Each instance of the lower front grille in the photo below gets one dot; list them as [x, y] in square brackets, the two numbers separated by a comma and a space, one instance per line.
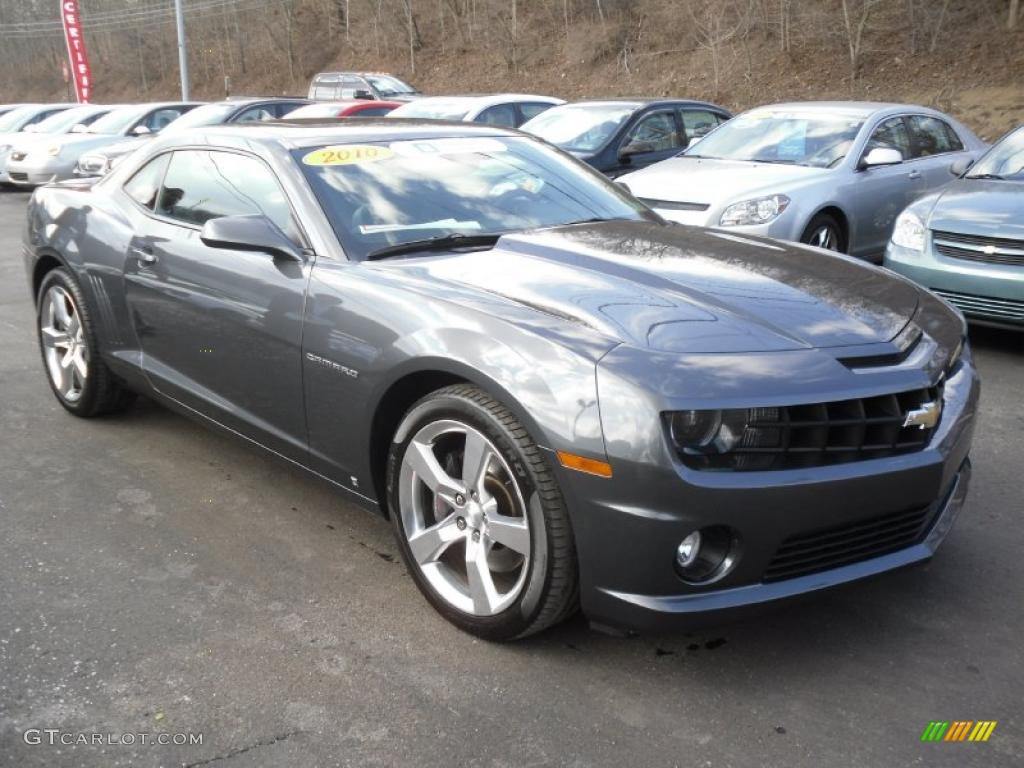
[1010, 310]
[18, 176]
[991, 250]
[850, 543]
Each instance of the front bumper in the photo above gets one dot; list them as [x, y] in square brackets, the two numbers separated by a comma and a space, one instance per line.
[627, 528]
[784, 227]
[991, 294]
[31, 172]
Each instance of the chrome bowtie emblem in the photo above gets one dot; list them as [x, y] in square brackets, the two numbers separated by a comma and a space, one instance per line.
[925, 417]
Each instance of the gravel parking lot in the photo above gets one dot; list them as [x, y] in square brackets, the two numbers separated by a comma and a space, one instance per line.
[157, 578]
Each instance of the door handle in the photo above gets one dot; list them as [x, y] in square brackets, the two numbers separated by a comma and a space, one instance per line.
[145, 256]
[914, 175]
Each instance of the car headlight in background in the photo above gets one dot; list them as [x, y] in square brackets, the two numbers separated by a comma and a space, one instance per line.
[909, 232]
[760, 210]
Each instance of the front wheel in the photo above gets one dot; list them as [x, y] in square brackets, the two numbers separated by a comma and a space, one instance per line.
[479, 517]
[824, 232]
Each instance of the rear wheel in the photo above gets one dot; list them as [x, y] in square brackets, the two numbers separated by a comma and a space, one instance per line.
[479, 518]
[824, 232]
[67, 340]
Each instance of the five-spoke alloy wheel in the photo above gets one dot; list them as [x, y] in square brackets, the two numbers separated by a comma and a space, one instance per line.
[478, 516]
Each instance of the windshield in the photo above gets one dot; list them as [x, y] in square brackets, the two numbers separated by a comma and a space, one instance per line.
[117, 121]
[579, 128]
[386, 85]
[14, 119]
[771, 136]
[386, 193]
[1005, 159]
[435, 109]
[207, 114]
[64, 121]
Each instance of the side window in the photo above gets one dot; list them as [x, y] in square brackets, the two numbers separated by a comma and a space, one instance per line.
[891, 134]
[531, 110]
[698, 122]
[202, 185]
[143, 186]
[372, 112]
[500, 114]
[40, 117]
[157, 121]
[256, 114]
[655, 132]
[932, 136]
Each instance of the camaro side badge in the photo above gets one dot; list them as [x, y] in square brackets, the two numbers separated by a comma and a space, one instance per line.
[925, 417]
[332, 365]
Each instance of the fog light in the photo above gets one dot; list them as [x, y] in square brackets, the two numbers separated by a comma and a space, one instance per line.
[688, 550]
[707, 555]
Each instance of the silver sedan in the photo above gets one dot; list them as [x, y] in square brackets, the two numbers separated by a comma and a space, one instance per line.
[830, 174]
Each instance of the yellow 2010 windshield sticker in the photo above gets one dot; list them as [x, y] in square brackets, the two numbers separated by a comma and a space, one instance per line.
[347, 154]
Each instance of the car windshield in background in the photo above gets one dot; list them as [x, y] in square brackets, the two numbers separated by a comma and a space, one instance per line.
[63, 121]
[117, 121]
[579, 128]
[390, 86]
[14, 118]
[770, 136]
[388, 193]
[435, 109]
[1004, 161]
[207, 114]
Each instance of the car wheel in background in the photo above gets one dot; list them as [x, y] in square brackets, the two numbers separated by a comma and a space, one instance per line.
[824, 232]
[479, 517]
[67, 340]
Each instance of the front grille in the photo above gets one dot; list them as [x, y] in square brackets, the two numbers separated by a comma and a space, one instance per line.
[1009, 310]
[841, 545]
[18, 176]
[992, 250]
[837, 432]
[671, 205]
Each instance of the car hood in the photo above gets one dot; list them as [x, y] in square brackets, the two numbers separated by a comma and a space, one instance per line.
[710, 182]
[980, 207]
[82, 142]
[121, 147]
[685, 289]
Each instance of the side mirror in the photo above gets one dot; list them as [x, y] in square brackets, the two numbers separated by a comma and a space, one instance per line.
[961, 165]
[141, 130]
[880, 156]
[78, 128]
[249, 233]
[634, 148]
[363, 94]
[693, 141]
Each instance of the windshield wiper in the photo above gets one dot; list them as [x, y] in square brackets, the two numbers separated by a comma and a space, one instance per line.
[987, 176]
[442, 243]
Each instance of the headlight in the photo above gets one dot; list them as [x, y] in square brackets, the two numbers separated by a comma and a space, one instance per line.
[909, 232]
[760, 210]
[53, 150]
[710, 434]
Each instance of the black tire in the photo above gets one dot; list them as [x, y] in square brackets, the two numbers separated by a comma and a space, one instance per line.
[100, 392]
[824, 222]
[550, 592]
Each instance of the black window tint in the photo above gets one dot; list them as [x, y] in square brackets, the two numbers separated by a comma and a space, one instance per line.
[698, 122]
[531, 110]
[500, 114]
[373, 112]
[655, 132]
[200, 186]
[932, 136]
[143, 186]
[891, 134]
[161, 118]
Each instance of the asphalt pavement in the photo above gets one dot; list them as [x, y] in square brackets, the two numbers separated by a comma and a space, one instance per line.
[156, 578]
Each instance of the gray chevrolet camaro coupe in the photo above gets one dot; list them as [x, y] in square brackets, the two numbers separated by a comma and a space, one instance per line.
[557, 397]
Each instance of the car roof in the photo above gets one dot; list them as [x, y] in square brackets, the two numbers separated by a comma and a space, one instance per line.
[487, 99]
[637, 103]
[858, 108]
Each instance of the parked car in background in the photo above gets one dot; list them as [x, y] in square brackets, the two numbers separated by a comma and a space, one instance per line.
[238, 110]
[338, 86]
[966, 242]
[619, 135]
[830, 174]
[559, 399]
[350, 108]
[71, 120]
[17, 120]
[508, 110]
[5, 108]
[56, 160]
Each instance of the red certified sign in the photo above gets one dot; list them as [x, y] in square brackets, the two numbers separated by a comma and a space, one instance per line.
[80, 71]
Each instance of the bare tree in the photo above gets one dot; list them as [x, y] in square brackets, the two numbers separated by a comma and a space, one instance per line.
[856, 15]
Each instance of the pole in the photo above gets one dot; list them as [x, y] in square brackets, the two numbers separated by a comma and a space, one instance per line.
[179, 17]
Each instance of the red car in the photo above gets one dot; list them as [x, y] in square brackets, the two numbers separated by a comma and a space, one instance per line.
[350, 108]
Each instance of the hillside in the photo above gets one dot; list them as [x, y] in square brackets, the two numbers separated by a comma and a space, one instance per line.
[958, 55]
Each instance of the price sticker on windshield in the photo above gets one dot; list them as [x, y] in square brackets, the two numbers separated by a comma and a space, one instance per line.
[347, 154]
